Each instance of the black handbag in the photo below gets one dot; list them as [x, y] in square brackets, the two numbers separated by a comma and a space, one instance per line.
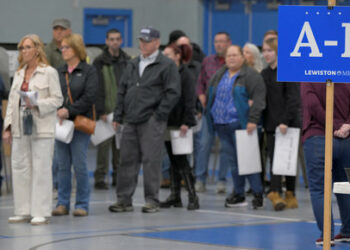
[27, 122]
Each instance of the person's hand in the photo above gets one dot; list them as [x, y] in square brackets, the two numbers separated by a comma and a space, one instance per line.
[103, 118]
[250, 127]
[199, 116]
[115, 125]
[62, 114]
[203, 99]
[183, 130]
[7, 136]
[343, 132]
[250, 102]
[283, 128]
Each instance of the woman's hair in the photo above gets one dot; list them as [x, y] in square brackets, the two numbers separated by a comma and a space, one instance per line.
[184, 50]
[38, 44]
[76, 42]
[272, 42]
[258, 63]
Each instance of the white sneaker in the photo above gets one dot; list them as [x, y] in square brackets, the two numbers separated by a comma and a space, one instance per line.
[39, 221]
[221, 187]
[199, 187]
[19, 219]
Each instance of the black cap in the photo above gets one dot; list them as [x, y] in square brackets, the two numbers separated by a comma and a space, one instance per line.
[148, 34]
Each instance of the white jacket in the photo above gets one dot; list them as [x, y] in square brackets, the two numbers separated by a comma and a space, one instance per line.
[44, 81]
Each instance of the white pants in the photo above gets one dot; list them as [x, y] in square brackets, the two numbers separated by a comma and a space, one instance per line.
[32, 175]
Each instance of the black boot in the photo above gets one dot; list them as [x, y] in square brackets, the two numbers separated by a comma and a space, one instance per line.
[257, 202]
[193, 201]
[174, 198]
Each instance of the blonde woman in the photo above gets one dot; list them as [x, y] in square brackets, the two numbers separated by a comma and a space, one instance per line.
[82, 80]
[32, 151]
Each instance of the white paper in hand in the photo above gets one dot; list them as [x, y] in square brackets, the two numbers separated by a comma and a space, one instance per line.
[285, 157]
[64, 131]
[103, 131]
[248, 152]
[181, 145]
[32, 95]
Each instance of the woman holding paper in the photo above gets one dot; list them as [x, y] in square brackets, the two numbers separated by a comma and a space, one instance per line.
[181, 117]
[282, 111]
[29, 125]
[228, 110]
[79, 85]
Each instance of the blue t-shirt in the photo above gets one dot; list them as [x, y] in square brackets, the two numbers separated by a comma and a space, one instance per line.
[224, 111]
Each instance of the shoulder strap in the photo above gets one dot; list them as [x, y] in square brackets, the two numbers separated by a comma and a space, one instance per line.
[71, 99]
[68, 89]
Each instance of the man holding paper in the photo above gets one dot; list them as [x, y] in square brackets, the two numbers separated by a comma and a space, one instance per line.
[110, 65]
[228, 110]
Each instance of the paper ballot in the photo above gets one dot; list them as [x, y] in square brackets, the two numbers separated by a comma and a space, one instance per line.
[103, 131]
[64, 131]
[181, 145]
[248, 152]
[32, 95]
[285, 156]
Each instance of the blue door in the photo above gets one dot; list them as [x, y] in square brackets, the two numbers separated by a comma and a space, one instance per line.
[98, 21]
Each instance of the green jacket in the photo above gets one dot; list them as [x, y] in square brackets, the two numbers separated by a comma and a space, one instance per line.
[54, 55]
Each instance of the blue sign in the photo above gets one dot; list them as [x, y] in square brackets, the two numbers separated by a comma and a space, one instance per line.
[313, 44]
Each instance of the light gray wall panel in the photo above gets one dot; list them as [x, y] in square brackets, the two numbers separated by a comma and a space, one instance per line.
[20, 17]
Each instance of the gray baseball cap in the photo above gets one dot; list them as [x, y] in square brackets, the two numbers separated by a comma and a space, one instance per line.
[62, 22]
[148, 34]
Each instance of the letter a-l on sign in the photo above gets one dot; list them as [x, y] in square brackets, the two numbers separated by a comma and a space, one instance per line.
[313, 44]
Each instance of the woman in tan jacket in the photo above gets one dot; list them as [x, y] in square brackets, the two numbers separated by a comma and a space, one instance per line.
[30, 126]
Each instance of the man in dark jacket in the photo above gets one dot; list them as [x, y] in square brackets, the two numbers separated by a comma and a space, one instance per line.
[148, 90]
[110, 65]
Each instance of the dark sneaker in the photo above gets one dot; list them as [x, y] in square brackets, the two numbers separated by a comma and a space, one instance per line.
[319, 242]
[193, 203]
[171, 201]
[235, 200]
[120, 208]
[101, 185]
[150, 208]
[257, 201]
[341, 238]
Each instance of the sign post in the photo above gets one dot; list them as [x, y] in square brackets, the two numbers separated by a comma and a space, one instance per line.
[327, 207]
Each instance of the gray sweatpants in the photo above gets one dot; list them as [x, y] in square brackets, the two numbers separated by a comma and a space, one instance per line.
[141, 144]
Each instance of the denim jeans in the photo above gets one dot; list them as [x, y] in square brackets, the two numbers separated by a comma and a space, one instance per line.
[55, 169]
[165, 166]
[74, 153]
[314, 150]
[228, 155]
[203, 155]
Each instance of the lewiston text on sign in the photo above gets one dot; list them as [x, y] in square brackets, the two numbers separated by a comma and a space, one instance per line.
[313, 44]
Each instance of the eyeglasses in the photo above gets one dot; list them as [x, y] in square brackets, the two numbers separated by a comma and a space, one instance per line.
[25, 48]
[65, 47]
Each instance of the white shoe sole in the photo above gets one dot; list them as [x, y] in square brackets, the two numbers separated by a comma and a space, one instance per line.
[241, 204]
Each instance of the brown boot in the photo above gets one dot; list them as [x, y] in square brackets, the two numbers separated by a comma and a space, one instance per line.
[60, 210]
[291, 200]
[277, 202]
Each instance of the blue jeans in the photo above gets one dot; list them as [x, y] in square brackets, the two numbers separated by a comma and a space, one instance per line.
[202, 155]
[226, 133]
[55, 169]
[165, 166]
[314, 150]
[74, 153]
